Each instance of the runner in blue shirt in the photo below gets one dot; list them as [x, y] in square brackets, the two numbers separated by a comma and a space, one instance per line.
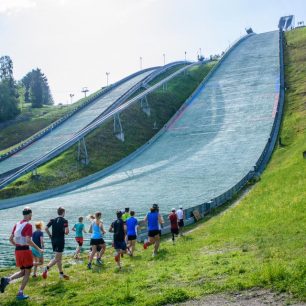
[132, 230]
[155, 222]
[79, 229]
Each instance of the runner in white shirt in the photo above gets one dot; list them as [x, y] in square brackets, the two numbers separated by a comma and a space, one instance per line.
[180, 216]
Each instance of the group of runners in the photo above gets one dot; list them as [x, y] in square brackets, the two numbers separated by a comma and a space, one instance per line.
[29, 245]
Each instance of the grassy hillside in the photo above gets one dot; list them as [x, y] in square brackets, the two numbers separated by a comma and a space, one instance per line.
[260, 242]
[103, 147]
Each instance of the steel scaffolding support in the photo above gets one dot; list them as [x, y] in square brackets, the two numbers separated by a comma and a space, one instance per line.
[144, 104]
[118, 131]
[82, 152]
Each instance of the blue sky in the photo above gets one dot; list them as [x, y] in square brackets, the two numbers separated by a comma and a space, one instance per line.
[75, 42]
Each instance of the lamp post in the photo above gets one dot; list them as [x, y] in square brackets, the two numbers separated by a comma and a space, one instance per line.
[164, 55]
[140, 62]
[185, 62]
[107, 75]
[85, 90]
[71, 96]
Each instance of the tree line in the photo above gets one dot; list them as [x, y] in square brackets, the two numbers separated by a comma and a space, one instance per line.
[33, 88]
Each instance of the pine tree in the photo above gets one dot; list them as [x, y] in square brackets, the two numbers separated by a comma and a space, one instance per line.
[8, 90]
[37, 89]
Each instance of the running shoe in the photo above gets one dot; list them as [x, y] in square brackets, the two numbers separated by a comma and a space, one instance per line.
[3, 283]
[21, 296]
[45, 273]
[34, 275]
[99, 261]
[64, 276]
[145, 245]
[154, 254]
[121, 255]
[89, 265]
[117, 257]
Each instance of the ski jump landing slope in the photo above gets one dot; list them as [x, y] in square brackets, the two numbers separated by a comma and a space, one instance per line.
[213, 143]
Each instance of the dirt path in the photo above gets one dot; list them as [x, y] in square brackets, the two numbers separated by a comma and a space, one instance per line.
[254, 297]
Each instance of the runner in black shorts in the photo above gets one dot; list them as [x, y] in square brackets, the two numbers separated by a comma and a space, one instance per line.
[132, 229]
[59, 230]
[155, 222]
[97, 231]
[119, 229]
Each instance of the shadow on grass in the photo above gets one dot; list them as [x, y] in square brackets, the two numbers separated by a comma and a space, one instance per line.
[56, 289]
[14, 302]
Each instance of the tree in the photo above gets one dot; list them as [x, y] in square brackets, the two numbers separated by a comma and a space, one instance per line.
[8, 90]
[37, 89]
[6, 67]
[26, 81]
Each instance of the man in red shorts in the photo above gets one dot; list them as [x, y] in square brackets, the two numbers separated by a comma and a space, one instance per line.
[21, 238]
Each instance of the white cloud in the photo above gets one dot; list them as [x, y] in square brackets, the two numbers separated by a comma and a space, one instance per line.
[12, 6]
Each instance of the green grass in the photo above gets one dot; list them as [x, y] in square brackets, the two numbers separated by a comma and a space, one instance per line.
[260, 242]
[103, 147]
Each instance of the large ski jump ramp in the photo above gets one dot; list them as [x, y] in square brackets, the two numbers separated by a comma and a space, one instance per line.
[67, 129]
[206, 150]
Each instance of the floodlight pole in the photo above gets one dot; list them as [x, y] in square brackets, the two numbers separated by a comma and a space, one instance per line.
[164, 55]
[107, 75]
[85, 90]
[71, 96]
[185, 62]
[140, 62]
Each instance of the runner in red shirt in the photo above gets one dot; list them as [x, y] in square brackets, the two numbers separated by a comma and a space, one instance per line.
[174, 223]
[21, 238]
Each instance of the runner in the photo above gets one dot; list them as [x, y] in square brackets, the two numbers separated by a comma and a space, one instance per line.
[173, 223]
[132, 230]
[79, 229]
[118, 228]
[21, 239]
[155, 222]
[96, 241]
[38, 239]
[180, 215]
[126, 214]
[59, 230]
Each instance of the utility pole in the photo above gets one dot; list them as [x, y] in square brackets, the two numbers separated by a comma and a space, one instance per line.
[140, 61]
[185, 62]
[71, 96]
[107, 76]
[164, 55]
[85, 90]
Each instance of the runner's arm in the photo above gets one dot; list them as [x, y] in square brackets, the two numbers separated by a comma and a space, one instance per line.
[32, 244]
[42, 243]
[66, 230]
[73, 228]
[102, 228]
[160, 219]
[12, 240]
[48, 232]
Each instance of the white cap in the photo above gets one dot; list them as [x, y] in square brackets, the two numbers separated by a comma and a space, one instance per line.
[181, 206]
[173, 209]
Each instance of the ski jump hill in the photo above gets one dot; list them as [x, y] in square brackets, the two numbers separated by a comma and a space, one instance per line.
[222, 136]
